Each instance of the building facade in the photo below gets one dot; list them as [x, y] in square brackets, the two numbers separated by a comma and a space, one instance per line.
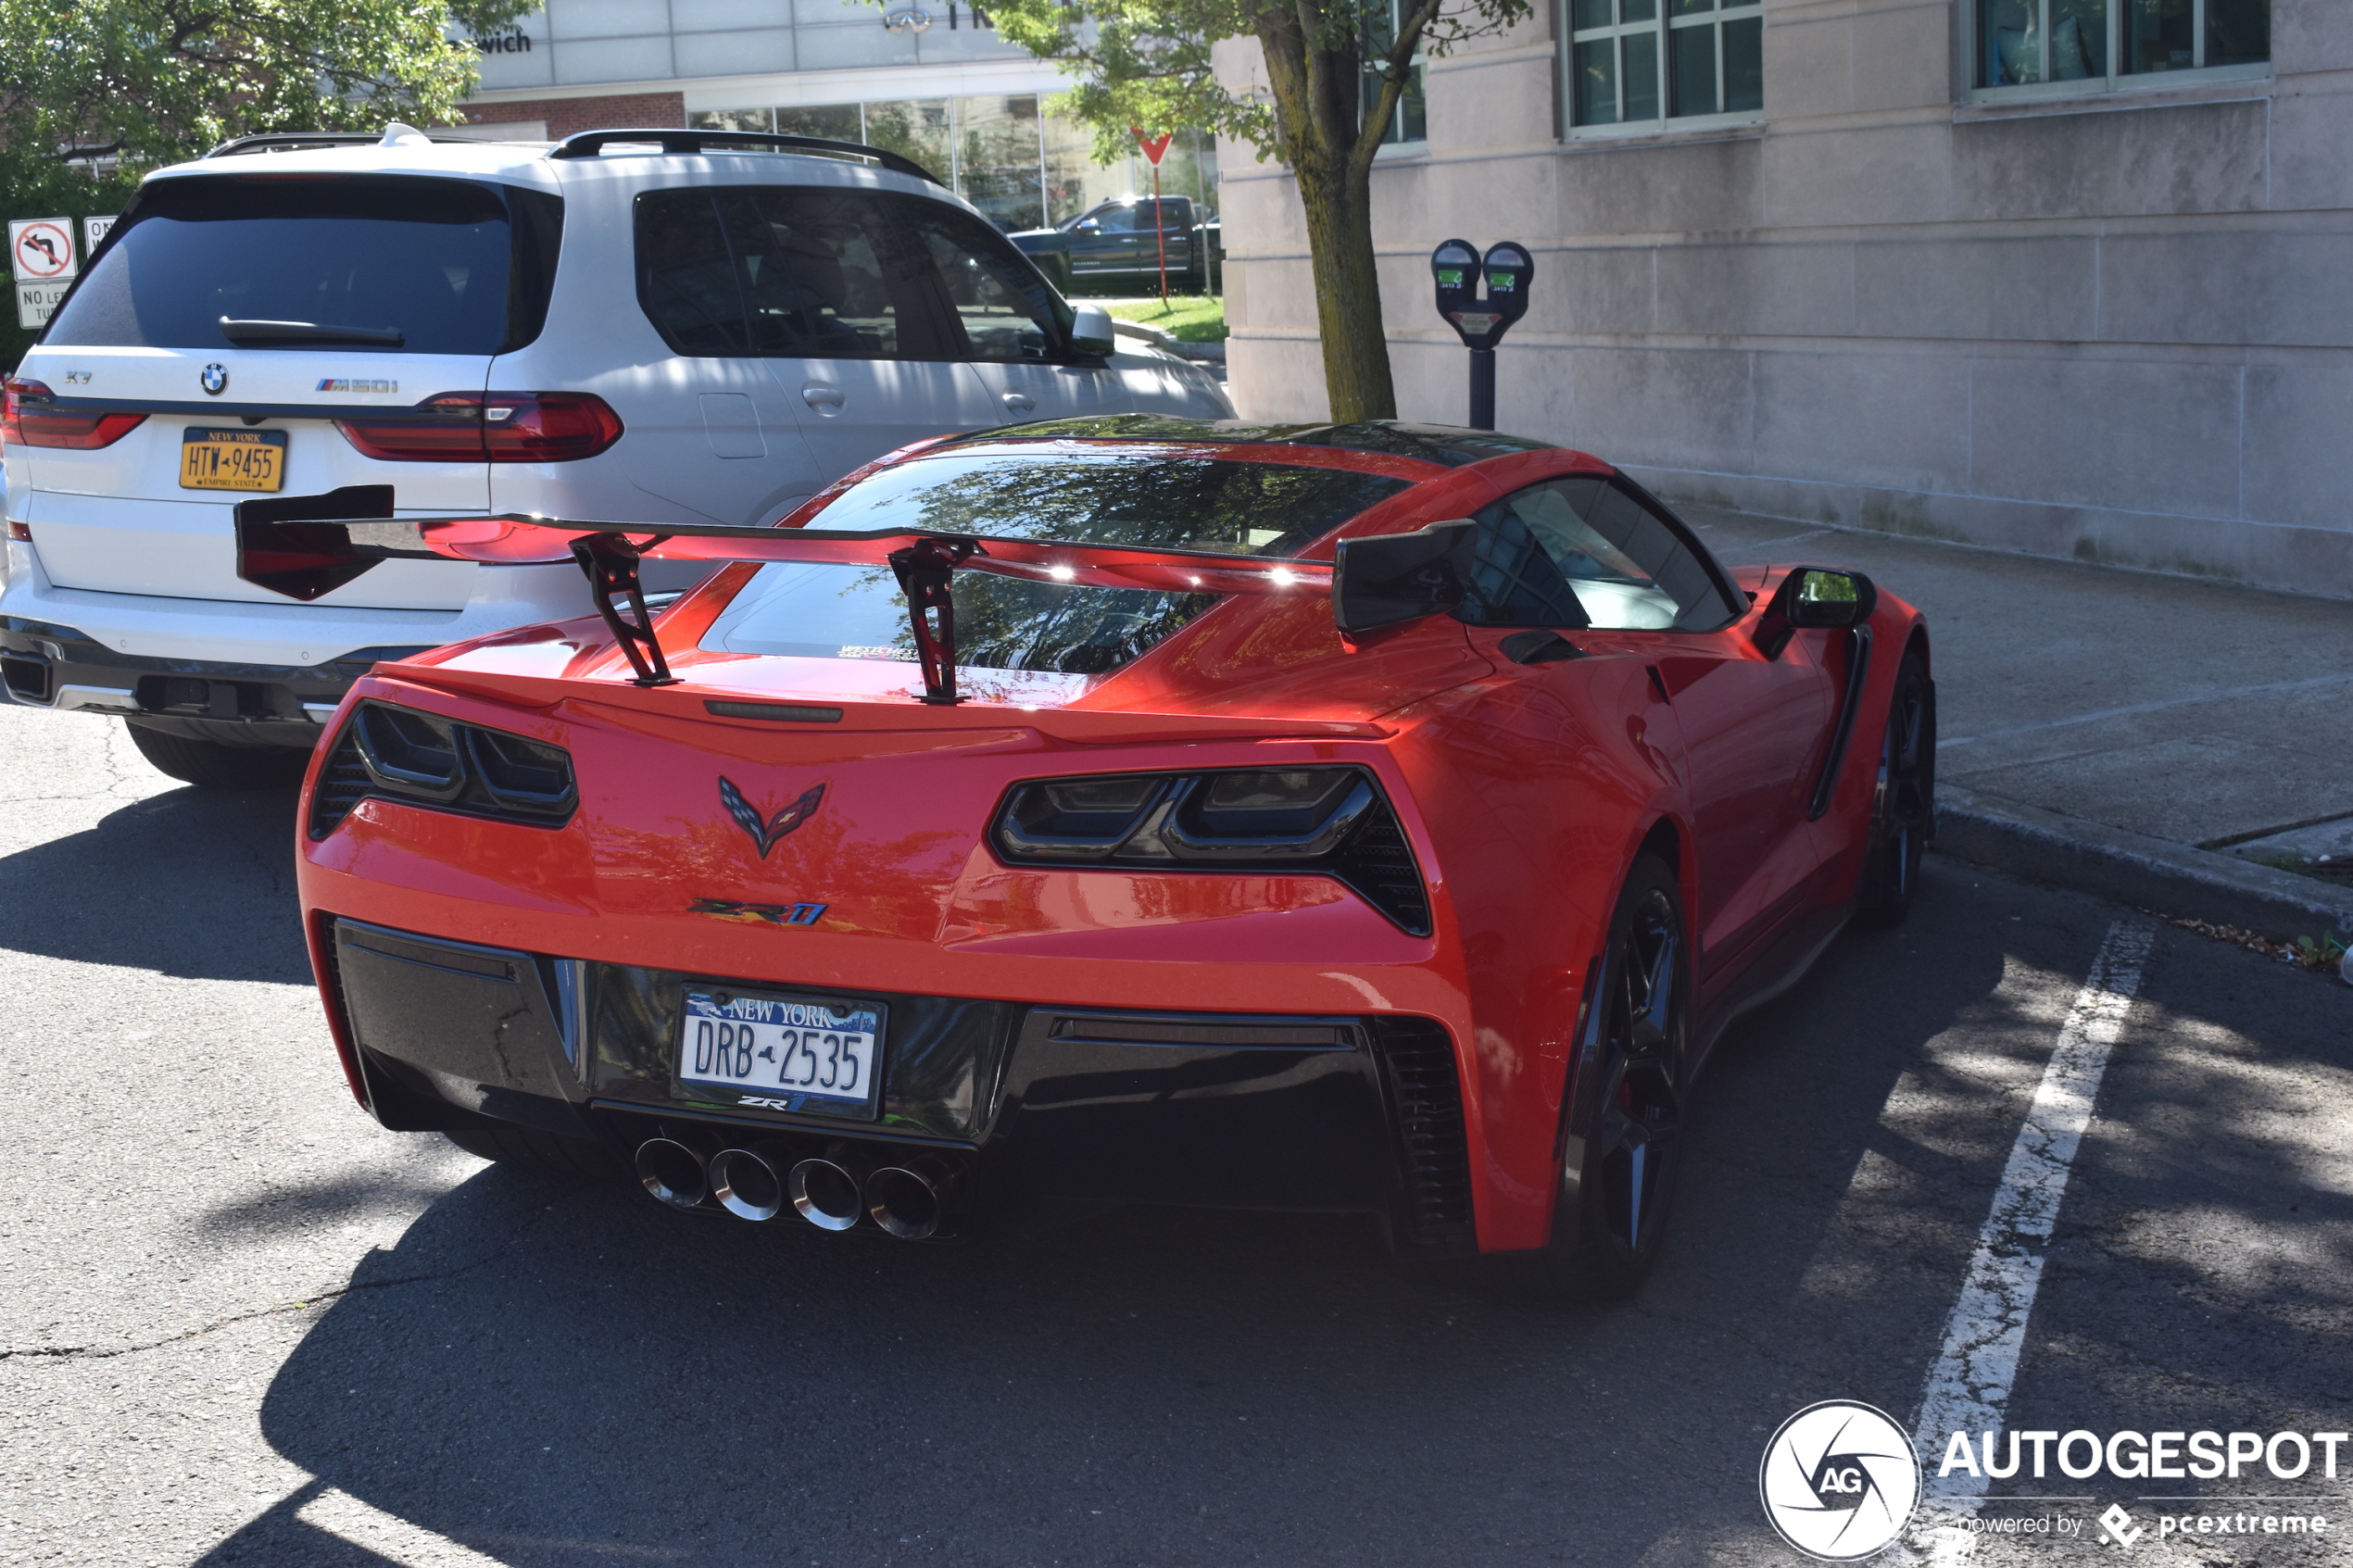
[2068, 277]
[924, 78]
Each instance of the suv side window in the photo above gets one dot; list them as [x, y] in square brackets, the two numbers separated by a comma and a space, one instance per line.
[1588, 551]
[803, 273]
[686, 276]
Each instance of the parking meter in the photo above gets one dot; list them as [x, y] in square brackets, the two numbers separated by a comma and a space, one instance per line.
[1481, 320]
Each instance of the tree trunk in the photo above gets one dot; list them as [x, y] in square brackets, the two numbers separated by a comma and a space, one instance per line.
[1315, 89]
[1348, 313]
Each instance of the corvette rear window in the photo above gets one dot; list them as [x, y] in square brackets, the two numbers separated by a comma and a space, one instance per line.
[452, 266]
[1146, 498]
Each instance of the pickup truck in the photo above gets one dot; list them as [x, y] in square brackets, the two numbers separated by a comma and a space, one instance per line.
[1113, 240]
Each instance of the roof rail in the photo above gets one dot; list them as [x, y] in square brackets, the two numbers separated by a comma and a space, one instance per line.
[589, 144]
[294, 140]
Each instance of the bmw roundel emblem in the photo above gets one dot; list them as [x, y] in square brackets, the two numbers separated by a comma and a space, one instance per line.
[215, 379]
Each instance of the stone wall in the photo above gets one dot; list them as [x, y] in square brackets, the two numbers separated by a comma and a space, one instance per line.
[2117, 328]
[569, 117]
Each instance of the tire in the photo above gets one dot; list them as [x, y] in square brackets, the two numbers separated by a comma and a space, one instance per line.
[1903, 804]
[545, 1154]
[1611, 1223]
[210, 764]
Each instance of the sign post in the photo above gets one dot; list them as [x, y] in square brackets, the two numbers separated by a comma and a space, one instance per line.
[1154, 147]
[41, 264]
[1459, 269]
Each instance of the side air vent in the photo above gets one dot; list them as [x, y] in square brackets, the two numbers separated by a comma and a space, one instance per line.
[419, 758]
[1417, 1060]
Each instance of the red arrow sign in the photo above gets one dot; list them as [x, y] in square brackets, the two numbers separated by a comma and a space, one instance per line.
[1154, 146]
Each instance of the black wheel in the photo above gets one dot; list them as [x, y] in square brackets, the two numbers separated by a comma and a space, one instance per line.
[1627, 1139]
[211, 764]
[1904, 805]
[544, 1153]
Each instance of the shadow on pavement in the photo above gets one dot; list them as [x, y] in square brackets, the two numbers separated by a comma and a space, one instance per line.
[195, 883]
[569, 1373]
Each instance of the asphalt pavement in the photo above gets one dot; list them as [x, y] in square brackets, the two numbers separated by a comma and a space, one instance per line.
[239, 1324]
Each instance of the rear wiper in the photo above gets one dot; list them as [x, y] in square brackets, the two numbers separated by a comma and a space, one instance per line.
[308, 332]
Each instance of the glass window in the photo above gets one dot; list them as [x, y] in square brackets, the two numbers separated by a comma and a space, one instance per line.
[1002, 623]
[837, 275]
[1631, 61]
[1588, 552]
[1005, 308]
[1411, 121]
[436, 260]
[2101, 43]
[834, 122]
[920, 129]
[998, 167]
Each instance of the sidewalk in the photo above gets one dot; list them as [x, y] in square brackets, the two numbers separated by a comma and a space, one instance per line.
[2150, 737]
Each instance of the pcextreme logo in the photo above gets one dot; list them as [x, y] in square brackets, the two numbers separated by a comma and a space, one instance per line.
[1838, 1480]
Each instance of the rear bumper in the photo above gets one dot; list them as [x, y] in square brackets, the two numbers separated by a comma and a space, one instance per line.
[43, 664]
[1044, 1107]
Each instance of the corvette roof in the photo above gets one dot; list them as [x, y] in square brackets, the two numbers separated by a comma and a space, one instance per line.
[1442, 444]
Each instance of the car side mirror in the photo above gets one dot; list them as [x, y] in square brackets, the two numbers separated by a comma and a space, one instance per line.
[1088, 226]
[1812, 598]
[1392, 578]
[1091, 331]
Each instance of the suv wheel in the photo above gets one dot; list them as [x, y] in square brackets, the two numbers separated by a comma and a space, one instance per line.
[211, 764]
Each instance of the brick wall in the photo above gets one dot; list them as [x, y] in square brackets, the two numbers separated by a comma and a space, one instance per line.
[567, 117]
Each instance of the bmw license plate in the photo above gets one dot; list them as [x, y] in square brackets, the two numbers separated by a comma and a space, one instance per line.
[782, 1053]
[233, 460]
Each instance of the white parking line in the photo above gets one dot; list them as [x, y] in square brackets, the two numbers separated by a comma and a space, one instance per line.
[387, 1534]
[1970, 1384]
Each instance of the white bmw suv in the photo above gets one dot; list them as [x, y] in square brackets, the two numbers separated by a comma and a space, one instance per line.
[657, 325]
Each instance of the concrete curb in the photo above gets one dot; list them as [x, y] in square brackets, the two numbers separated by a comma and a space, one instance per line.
[2131, 868]
[1215, 352]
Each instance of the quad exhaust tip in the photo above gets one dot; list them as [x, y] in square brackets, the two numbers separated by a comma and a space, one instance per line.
[906, 1204]
[673, 1172]
[748, 1183]
[824, 1194]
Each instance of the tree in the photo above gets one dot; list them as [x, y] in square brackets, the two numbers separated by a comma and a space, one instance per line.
[158, 80]
[1337, 70]
[144, 82]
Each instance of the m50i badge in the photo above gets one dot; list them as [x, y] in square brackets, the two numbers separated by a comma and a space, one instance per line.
[757, 914]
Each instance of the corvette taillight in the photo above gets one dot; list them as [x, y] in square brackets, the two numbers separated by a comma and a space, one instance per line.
[497, 427]
[1332, 822]
[26, 421]
[423, 759]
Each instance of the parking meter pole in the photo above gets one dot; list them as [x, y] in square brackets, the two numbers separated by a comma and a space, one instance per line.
[1482, 389]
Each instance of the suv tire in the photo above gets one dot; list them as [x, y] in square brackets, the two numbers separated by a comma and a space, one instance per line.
[211, 764]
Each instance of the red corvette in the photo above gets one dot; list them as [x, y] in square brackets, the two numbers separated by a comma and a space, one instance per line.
[1362, 818]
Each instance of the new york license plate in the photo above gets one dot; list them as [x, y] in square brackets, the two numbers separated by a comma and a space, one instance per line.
[785, 1050]
[232, 459]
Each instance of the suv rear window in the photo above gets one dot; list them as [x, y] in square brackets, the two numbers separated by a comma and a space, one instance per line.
[825, 274]
[1147, 497]
[453, 266]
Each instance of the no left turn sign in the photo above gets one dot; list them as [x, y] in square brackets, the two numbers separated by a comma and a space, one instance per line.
[41, 249]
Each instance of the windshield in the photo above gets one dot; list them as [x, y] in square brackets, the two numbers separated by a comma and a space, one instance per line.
[432, 264]
[1148, 498]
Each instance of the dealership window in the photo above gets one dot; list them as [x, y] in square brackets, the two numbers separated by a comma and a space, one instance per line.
[1635, 60]
[1411, 123]
[1022, 166]
[2096, 45]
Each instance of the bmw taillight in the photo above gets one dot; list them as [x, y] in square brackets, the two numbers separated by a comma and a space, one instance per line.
[1332, 822]
[27, 421]
[497, 427]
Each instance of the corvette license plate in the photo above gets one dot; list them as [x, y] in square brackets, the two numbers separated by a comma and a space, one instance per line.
[232, 459]
[784, 1049]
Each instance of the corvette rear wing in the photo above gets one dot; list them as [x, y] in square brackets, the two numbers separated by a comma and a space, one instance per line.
[308, 557]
